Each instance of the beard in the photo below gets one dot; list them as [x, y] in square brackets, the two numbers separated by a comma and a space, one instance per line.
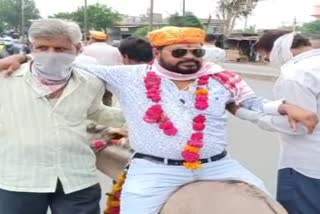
[190, 66]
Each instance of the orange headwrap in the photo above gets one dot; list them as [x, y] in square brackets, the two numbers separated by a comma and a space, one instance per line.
[99, 35]
[175, 35]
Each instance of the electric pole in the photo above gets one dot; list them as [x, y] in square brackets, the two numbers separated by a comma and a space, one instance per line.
[22, 20]
[151, 15]
[183, 7]
[85, 19]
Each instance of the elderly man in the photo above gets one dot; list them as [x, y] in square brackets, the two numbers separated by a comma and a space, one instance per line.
[45, 155]
[175, 111]
[299, 173]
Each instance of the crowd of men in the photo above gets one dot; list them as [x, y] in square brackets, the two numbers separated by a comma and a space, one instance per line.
[173, 96]
[10, 46]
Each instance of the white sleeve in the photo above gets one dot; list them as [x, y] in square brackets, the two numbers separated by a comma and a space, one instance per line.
[114, 77]
[299, 93]
[270, 122]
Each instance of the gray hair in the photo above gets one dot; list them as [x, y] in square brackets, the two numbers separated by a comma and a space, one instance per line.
[54, 28]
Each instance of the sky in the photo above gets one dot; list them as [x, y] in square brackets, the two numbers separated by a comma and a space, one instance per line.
[268, 13]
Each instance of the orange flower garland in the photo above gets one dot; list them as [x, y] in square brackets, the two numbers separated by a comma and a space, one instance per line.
[156, 114]
[113, 201]
[191, 153]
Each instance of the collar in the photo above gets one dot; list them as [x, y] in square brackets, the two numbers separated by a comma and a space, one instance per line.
[305, 55]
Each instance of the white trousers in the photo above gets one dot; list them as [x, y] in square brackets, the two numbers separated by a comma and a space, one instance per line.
[149, 185]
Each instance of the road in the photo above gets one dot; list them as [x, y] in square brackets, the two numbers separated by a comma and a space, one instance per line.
[256, 149]
[252, 69]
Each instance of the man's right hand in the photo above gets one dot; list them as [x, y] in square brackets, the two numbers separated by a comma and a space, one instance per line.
[297, 114]
[11, 63]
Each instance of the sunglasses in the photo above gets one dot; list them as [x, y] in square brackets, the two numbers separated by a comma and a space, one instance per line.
[180, 52]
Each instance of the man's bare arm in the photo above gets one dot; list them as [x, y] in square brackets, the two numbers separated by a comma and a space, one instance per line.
[11, 63]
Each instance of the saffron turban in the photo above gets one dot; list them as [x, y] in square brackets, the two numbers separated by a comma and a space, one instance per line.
[98, 35]
[176, 35]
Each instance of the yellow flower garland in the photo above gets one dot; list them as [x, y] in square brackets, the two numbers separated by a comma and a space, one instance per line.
[113, 201]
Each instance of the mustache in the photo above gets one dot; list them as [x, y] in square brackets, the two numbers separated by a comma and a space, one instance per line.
[189, 60]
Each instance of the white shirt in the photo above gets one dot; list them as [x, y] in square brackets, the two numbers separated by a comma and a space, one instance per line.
[214, 54]
[43, 140]
[104, 54]
[299, 83]
[81, 58]
[127, 83]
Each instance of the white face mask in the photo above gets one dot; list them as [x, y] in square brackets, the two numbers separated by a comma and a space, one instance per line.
[53, 66]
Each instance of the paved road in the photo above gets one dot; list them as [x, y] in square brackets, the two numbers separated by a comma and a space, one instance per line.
[256, 149]
[262, 70]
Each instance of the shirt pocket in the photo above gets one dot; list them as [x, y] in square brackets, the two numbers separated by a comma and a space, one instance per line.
[217, 102]
[73, 111]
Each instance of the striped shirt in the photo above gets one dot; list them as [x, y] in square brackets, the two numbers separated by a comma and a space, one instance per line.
[44, 140]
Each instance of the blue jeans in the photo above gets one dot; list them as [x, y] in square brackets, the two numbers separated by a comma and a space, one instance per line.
[298, 193]
[85, 201]
[149, 185]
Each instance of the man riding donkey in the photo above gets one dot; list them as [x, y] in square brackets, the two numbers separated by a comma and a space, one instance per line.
[175, 110]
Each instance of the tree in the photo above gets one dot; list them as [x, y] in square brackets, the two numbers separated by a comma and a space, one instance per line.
[231, 10]
[62, 15]
[310, 28]
[100, 17]
[10, 14]
[142, 31]
[2, 27]
[189, 20]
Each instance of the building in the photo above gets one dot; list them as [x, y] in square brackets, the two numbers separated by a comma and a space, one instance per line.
[215, 26]
[239, 47]
[130, 24]
[316, 9]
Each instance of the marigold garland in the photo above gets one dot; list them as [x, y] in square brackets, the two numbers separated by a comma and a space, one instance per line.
[156, 114]
[113, 201]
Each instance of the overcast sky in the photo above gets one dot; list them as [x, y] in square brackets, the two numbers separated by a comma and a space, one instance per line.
[268, 14]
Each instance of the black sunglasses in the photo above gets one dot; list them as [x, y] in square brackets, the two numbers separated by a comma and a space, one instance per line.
[180, 52]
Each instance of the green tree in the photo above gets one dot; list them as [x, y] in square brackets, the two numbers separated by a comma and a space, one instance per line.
[2, 27]
[231, 10]
[10, 14]
[100, 17]
[189, 20]
[62, 15]
[142, 31]
[311, 27]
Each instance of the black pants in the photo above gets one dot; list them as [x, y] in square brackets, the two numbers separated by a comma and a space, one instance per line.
[298, 193]
[85, 201]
